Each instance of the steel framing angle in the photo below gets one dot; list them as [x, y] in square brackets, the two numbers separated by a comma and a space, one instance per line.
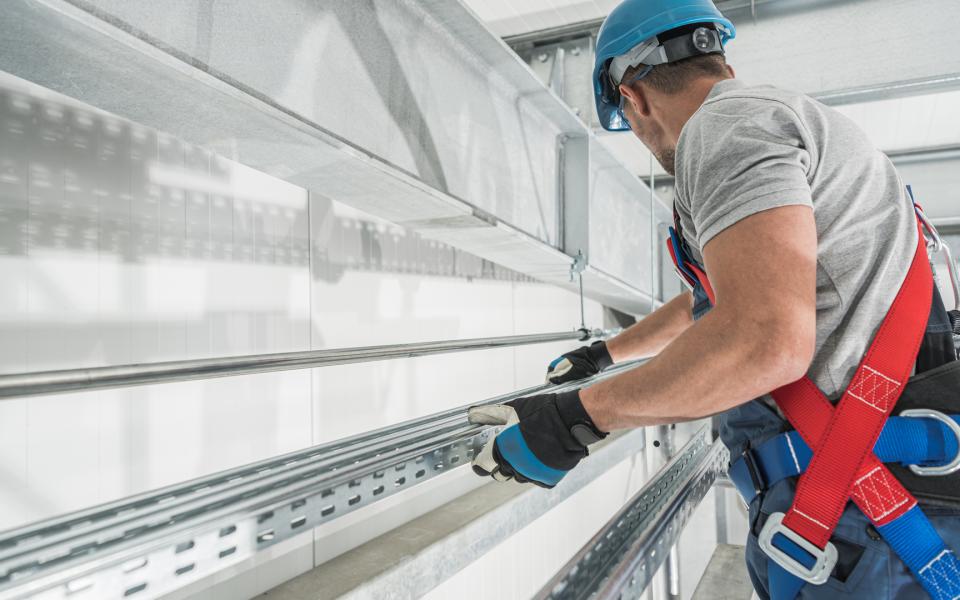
[153, 543]
[621, 559]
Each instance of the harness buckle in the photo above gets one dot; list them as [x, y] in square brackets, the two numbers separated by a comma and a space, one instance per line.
[824, 560]
[756, 479]
[953, 465]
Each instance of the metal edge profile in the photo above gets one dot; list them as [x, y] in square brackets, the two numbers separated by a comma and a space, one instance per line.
[101, 378]
[154, 543]
[622, 558]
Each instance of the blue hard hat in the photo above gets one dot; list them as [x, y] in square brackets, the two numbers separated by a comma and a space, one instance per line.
[634, 22]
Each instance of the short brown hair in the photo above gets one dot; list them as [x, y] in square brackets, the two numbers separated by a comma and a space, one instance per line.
[672, 78]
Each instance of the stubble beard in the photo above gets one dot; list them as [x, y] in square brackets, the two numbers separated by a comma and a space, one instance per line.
[667, 159]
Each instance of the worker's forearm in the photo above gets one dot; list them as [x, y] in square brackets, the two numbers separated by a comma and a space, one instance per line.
[716, 364]
[651, 334]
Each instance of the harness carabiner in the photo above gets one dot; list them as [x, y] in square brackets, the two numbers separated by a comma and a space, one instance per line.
[953, 426]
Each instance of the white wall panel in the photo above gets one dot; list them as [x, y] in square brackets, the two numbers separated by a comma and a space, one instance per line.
[109, 264]
[119, 244]
[620, 222]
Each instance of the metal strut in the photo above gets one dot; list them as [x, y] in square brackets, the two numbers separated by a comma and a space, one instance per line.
[622, 558]
[148, 545]
[100, 378]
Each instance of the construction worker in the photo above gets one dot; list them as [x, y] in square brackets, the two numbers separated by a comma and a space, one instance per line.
[812, 304]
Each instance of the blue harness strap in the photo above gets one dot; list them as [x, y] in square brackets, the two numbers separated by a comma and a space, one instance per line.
[904, 440]
[913, 539]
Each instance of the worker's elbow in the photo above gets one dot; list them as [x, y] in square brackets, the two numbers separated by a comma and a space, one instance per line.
[787, 353]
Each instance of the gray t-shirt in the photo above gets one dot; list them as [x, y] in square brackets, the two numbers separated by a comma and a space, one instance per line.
[753, 148]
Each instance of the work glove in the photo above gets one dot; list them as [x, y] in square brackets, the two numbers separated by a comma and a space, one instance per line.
[581, 363]
[544, 437]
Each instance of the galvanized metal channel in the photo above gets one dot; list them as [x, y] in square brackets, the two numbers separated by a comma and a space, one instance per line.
[622, 558]
[153, 543]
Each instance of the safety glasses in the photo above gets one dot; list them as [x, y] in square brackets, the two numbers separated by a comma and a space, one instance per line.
[619, 97]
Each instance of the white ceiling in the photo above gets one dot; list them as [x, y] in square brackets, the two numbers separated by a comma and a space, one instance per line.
[511, 17]
[913, 122]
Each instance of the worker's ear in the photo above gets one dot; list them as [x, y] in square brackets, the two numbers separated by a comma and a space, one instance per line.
[731, 71]
[638, 96]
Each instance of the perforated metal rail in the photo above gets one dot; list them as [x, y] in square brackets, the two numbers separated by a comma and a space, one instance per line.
[621, 559]
[153, 543]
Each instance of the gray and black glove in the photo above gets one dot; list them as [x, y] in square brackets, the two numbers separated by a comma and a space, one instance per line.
[545, 436]
[581, 363]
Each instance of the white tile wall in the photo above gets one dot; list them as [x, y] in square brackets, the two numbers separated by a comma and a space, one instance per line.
[119, 244]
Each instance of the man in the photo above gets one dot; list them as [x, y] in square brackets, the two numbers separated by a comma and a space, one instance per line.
[806, 233]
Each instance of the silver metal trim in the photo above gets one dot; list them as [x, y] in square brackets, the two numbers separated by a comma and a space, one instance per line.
[210, 523]
[622, 558]
[101, 378]
[954, 464]
[826, 559]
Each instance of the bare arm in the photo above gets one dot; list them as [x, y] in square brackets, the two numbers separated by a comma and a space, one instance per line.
[760, 335]
[651, 334]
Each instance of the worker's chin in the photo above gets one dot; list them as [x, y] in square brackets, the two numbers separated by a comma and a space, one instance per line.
[667, 159]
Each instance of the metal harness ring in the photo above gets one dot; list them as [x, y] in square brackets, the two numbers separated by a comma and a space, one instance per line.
[953, 426]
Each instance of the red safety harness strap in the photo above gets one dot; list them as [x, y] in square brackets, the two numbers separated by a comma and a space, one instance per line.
[843, 462]
[877, 493]
[843, 465]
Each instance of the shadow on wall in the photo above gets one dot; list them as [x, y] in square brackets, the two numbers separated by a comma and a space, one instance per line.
[82, 181]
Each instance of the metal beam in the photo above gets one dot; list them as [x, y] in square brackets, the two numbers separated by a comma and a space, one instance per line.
[102, 378]
[924, 154]
[890, 90]
[590, 27]
[775, 47]
[156, 542]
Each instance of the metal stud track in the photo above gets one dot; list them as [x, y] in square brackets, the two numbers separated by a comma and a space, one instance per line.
[621, 559]
[153, 543]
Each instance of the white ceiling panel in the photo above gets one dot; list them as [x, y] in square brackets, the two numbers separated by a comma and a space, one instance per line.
[512, 17]
[913, 122]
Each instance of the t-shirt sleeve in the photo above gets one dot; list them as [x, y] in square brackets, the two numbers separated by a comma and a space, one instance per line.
[735, 165]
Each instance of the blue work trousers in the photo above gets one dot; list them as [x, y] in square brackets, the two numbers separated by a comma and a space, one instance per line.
[868, 568]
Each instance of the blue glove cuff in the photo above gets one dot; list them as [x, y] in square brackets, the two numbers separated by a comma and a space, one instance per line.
[513, 448]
